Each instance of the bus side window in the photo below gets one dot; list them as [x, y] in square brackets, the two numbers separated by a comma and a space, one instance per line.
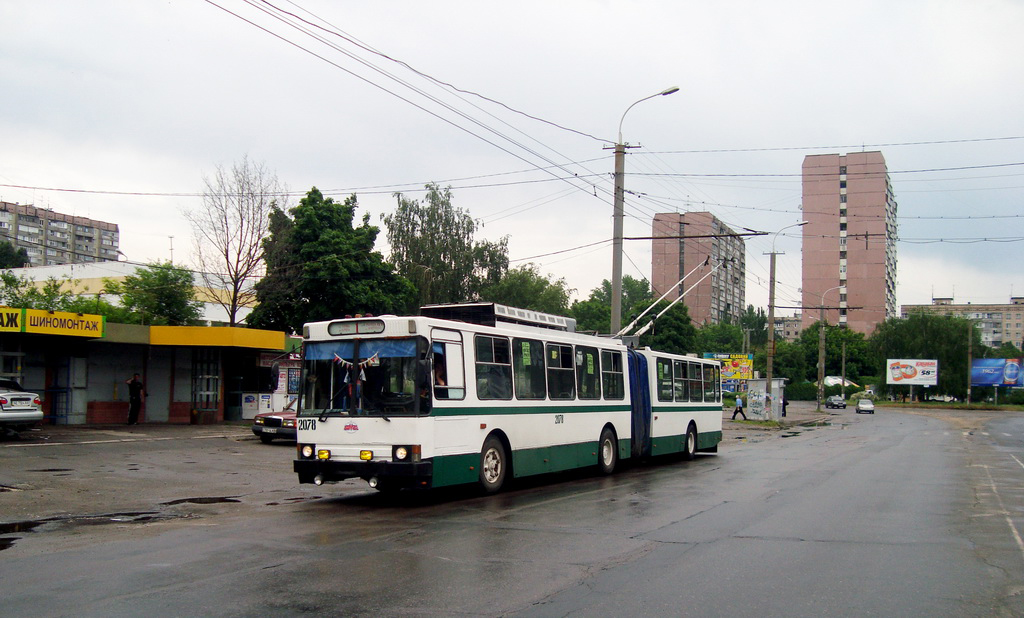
[679, 381]
[528, 365]
[561, 378]
[449, 378]
[493, 368]
[664, 379]
[696, 387]
[611, 371]
[588, 373]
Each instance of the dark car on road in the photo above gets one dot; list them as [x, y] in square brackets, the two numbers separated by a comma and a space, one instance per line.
[274, 425]
[835, 401]
[19, 410]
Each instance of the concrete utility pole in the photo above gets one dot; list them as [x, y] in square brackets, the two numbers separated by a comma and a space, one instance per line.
[821, 348]
[771, 310]
[620, 190]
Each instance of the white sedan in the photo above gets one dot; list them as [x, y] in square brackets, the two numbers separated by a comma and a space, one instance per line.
[18, 409]
[865, 406]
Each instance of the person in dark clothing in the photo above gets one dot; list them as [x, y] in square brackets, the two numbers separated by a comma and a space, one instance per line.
[136, 391]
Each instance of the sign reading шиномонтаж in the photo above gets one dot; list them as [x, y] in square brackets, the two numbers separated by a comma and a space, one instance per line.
[39, 321]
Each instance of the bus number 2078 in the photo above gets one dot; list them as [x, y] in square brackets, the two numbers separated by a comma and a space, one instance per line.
[307, 423]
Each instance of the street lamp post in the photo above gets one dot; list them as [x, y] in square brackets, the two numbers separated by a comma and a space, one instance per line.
[620, 168]
[821, 348]
[771, 309]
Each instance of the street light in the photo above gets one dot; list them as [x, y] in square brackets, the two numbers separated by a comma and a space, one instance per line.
[620, 168]
[771, 307]
[821, 348]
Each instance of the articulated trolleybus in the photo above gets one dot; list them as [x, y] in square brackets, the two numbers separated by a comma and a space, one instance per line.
[481, 393]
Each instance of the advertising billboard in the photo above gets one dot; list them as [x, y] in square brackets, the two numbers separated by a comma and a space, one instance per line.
[996, 372]
[735, 368]
[912, 371]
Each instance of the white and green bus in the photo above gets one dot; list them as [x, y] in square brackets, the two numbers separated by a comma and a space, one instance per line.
[481, 393]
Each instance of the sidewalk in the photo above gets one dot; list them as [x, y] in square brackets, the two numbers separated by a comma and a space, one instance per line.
[797, 413]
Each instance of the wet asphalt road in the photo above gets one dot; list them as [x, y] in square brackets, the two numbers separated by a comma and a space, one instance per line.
[890, 514]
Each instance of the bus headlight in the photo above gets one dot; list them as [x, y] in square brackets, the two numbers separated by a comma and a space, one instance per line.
[401, 453]
[307, 451]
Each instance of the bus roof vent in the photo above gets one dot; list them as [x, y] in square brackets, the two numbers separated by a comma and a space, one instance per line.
[490, 314]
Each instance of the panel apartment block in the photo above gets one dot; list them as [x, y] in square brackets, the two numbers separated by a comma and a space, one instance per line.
[677, 250]
[54, 238]
[849, 243]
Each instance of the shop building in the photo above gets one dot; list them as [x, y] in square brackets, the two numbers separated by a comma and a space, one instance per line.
[78, 364]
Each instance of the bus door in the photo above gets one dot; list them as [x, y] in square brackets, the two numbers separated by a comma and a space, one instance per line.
[640, 402]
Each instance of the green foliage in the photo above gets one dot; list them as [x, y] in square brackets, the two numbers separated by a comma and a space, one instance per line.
[595, 313]
[726, 338]
[20, 292]
[432, 245]
[928, 335]
[790, 361]
[756, 320]
[672, 332]
[11, 256]
[526, 288]
[160, 294]
[320, 265]
[859, 358]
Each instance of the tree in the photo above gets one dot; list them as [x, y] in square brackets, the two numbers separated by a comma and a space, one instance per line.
[321, 267]
[228, 231]
[594, 314]
[11, 256]
[160, 294]
[756, 321]
[926, 335]
[719, 337]
[432, 245]
[672, 332]
[526, 288]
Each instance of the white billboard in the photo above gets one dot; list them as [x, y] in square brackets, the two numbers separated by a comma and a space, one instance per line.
[912, 371]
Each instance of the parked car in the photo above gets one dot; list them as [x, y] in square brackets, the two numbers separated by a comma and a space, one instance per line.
[19, 410]
[865, 406]
[274, 425]
[835, 401]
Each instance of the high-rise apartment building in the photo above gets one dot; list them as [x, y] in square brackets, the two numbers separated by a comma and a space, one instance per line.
[849, 242]
[54, 238]
[685, 241]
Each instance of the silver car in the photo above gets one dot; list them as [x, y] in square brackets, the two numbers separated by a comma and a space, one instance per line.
[865, 406]
[18, 409]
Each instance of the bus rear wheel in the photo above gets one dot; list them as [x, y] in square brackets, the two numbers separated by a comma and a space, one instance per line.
[690, 446]
[493, 465]
[607, 452]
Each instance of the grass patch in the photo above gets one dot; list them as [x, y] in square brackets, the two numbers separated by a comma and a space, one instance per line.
[758, 423]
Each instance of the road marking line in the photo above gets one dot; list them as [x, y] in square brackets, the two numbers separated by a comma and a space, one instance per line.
[1017, 460]
[1002, 507]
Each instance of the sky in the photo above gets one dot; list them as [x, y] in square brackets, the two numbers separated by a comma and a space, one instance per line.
[118, 110]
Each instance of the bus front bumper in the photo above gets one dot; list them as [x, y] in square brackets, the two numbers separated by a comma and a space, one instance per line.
[395, 473]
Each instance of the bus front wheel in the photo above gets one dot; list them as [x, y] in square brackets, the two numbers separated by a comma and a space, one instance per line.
[607, 452]
[493, 465]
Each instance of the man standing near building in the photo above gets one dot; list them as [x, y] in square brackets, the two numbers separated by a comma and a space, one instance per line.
[136, 390]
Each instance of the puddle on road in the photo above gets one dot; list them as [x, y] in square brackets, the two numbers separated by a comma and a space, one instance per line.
[52, 470]
[209, 500]
[133, 517]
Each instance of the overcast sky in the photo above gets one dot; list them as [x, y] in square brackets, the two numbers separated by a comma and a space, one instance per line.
[103, 102]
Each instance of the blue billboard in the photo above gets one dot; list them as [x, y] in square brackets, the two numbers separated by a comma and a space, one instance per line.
[996, 372]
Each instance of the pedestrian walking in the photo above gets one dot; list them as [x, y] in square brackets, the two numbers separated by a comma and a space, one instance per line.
[136, 391]
[739, 408]
[785, 402]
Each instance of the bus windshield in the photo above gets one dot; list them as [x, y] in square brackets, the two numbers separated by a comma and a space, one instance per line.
[366, 377]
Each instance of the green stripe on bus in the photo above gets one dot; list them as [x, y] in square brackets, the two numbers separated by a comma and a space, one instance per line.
[462, 469]
[665, 445]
